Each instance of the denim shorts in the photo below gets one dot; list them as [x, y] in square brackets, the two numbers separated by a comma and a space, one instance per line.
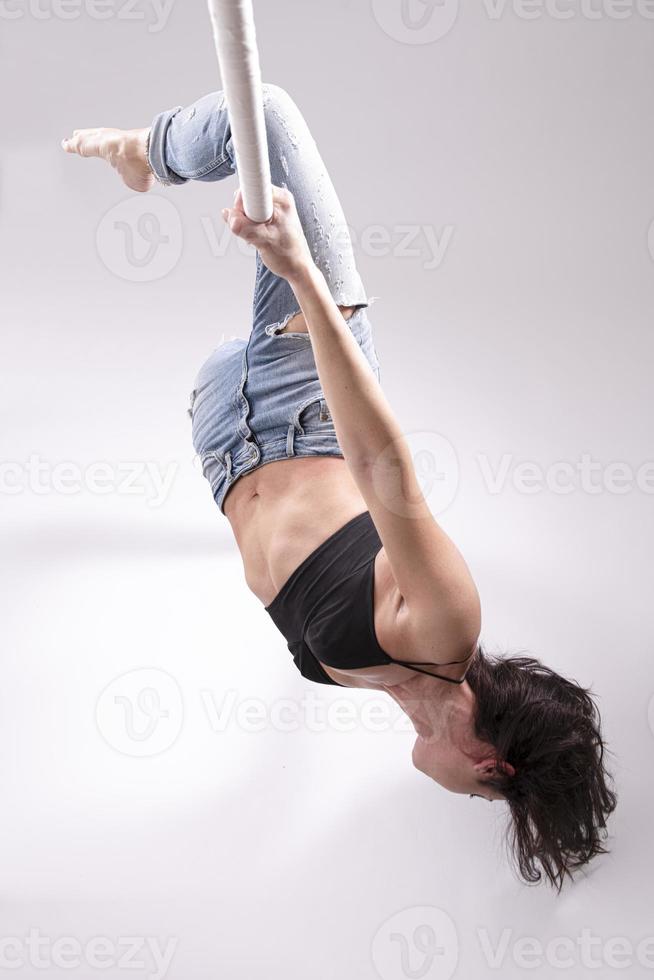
[259, 400]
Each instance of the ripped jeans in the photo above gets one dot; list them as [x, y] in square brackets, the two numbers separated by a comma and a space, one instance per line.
[259, 401]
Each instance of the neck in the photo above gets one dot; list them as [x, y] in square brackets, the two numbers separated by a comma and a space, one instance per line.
[434, 707]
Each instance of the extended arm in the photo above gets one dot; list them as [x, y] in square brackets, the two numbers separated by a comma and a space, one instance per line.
[431, 574]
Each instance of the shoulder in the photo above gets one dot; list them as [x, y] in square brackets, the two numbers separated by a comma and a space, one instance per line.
[438, 629]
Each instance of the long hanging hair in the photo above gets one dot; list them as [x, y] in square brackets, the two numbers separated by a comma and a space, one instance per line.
[549, 729]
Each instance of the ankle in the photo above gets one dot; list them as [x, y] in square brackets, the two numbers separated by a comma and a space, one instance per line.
[136, 147]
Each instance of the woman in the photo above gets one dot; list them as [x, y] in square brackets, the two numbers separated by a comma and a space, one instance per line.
[307, 461]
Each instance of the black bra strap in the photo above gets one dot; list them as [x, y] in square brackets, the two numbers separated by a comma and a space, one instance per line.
[428, 673]
[420, 668]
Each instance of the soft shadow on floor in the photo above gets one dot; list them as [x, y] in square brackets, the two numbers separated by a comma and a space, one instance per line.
[82, 539]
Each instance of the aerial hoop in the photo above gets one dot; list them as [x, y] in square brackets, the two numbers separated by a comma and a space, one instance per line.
[238, 56]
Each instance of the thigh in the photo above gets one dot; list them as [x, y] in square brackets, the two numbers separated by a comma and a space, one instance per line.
[219, 422]
[283, 388]
[196, 144]
[254, 404]
[296, 164]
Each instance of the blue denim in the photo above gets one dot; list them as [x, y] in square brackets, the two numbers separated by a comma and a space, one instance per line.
[260, 400]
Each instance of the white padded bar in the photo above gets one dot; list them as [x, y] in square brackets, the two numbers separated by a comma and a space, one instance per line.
[238, 56]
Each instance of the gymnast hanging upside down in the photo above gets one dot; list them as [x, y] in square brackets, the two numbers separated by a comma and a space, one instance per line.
[308, 463]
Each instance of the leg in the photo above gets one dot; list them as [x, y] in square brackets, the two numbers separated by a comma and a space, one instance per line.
[296, 164]
[260, 401]
[280, 410]
[196, 144]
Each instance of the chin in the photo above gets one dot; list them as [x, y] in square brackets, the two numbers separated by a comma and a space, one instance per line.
[423, 757]
[424, 761]
[417, 755]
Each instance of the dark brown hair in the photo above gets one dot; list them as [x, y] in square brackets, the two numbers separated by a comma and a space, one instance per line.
[548, 729]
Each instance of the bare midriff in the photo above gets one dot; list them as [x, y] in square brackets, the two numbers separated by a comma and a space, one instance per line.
[282, 511]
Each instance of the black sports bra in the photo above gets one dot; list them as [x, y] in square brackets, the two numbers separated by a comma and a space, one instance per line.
[325, 610]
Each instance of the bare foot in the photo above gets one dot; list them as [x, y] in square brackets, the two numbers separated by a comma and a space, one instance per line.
[124, 149]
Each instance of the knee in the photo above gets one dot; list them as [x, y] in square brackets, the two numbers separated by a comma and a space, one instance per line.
[277, 102]
[274, 93]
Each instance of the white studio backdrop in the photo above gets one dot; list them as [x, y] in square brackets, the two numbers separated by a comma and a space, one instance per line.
[168, 778]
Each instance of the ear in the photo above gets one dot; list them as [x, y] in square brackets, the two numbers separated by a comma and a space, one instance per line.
[493, 767]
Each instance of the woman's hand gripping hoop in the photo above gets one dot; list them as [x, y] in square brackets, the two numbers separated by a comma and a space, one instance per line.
[281, 242]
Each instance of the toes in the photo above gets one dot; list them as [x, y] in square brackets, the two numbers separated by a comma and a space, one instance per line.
[70, 143]
[84, 142]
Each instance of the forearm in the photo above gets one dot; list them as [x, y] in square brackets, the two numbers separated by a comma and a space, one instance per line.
[365, 424]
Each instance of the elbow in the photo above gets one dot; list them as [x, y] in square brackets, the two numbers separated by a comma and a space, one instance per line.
[361, 463]
[464, 623]
[453, 624]
[471, 623]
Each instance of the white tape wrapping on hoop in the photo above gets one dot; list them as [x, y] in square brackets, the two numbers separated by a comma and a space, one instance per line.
[238, 56]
